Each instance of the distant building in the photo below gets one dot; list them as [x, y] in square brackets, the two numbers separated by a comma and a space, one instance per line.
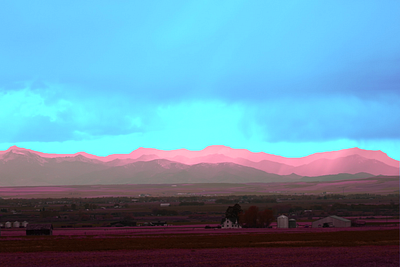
[165, 204]
[283, 221]
[228, 223]
[292, 223]
[39, 229]
[332, 221]
[357, 223]
[159, 223]
[122, 224]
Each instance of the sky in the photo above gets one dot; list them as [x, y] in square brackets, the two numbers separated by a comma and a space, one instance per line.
[289, 78]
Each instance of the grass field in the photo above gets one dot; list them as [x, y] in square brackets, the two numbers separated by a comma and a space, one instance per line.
[373, 185]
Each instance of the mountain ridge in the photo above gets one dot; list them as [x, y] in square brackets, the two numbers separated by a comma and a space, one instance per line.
[19, 166]
[223, 150]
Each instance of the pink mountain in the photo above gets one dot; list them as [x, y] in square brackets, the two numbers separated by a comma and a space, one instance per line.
[19, 166]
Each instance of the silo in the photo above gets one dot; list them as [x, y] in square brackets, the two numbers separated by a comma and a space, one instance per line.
[7, 225]
[283, 221]
[24, 224]
[292, 223]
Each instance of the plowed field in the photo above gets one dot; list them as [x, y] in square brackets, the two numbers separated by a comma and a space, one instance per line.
[340, 248]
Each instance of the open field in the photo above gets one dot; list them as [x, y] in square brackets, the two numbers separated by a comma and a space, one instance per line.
[374, 185]
[366, 256]
[239, 247]
[79, 241]
[66, 213]
[18, 233]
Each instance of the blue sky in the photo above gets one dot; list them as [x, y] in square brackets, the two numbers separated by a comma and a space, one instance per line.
[285, 77]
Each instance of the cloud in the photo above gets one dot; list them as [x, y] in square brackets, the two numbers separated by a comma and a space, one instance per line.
[26, 114]
[195, 124]
[248, 74]
[63, 113]
[227, 49]
[27, 104]
[305, 119]
[55, 112]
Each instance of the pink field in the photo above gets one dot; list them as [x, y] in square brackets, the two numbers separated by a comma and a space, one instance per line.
[304, 256]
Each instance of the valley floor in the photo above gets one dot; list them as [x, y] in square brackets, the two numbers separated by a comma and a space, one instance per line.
[288, 256]
[341, 247]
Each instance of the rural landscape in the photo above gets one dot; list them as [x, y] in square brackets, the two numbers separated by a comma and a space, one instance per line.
[199, 133]
[256, 220]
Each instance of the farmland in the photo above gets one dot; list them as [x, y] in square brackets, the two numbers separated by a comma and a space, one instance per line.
[191, 210]
[375, 185]
[207, 247]
[85, 233]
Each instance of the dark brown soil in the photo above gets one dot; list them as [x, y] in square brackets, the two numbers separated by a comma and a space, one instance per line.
[340, 248]
[200, 241]
[364, 256]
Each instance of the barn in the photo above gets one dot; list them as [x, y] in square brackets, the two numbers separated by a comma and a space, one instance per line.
[39, 229]
[332, 221]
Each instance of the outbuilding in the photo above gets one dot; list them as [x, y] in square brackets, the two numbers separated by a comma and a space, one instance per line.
[292, 223]
[39, 229]
[332, 221]
[159, 223]
[283, 221]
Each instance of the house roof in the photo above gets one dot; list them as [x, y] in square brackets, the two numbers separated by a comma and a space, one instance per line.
[339, 218]
[47, 226]
[224, 219]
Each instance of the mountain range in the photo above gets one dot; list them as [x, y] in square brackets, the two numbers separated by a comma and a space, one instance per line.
[214, 164]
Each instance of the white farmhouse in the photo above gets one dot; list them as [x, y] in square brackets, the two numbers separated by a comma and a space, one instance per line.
[228, 223]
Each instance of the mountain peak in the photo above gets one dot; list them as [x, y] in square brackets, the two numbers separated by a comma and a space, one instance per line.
[214, 147]
[15, 148]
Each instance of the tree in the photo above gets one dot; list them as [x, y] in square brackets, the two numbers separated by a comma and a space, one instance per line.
[250, 217]
[255, 218]
[64, 208]
[128, 217]
[234, 212]
[265, 218]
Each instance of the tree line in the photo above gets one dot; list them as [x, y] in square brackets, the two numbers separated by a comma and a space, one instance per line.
[253, 217]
